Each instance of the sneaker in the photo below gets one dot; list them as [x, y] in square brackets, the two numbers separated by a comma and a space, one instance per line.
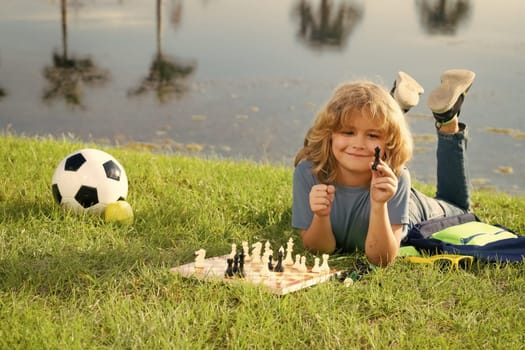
[446, 100]
[406, 91]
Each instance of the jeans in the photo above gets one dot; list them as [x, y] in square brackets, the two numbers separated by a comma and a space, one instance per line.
[453, 186]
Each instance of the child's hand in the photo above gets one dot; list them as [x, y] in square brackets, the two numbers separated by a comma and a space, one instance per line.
[321, 198]
[384, 183]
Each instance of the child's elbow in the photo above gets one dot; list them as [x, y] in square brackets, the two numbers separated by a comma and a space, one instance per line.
[381, 261]
[316, 246]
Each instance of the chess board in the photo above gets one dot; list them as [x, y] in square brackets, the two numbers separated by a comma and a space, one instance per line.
[280, 283]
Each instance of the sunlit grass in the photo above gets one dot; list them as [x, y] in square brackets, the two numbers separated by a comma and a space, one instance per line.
[73, 281]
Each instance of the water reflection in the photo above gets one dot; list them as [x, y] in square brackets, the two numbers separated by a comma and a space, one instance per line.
[67, 74]
[167, 75]
[328, 26]
[442, 16]
[263, 69]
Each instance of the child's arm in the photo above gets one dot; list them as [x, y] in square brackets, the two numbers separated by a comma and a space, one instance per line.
[383, 238]
[318, 237]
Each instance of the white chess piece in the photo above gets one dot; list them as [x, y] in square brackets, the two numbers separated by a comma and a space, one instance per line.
[265, 258]
[324, 266]
[256, 252]
[302, 266]
[200, 256]
[264, 269]
[234, 250]
[297, 264]
[316, 267]
[289, 250]
[246, 251]
[268, 248]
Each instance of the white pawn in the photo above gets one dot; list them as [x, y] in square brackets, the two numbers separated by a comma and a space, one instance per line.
[265, 271]
[297, 264]
[302, 266]
[324, 266]
[256, 252]
[200, 256]
[316, 267]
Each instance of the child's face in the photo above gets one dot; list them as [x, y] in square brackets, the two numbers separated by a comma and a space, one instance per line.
[353, 147]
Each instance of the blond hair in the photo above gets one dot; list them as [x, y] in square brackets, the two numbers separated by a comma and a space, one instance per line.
[367, 99]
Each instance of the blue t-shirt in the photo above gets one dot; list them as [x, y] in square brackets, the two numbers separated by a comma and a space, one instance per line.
[350, 212]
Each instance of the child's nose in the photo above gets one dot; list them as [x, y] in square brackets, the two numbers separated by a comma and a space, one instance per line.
[360, 143]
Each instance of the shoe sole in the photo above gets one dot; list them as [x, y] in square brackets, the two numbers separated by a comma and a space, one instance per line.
[453, 83]
[407, 91]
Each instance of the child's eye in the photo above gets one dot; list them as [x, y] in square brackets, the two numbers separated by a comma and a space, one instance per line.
[373, 136]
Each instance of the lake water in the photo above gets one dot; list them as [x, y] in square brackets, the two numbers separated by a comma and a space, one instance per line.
[244, 78]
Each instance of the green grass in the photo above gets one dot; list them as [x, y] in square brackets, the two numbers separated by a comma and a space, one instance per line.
[73, 281]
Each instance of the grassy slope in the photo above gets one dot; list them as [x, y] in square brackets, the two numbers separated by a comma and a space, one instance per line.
[76, 281]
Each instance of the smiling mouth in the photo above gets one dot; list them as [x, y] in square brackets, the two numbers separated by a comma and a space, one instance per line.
[359, 155]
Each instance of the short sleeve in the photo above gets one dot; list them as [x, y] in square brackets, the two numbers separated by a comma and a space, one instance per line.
[399, 204]
[303, 180]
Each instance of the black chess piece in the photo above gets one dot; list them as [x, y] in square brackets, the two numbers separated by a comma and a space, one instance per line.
[236, 264]
[377, 151]
[279, 266]
[270, 265]
[229, 269]
[240, 273]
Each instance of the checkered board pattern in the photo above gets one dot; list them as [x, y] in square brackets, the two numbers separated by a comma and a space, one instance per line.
[280, 283]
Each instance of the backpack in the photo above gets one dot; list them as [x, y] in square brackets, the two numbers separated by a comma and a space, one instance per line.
[465, 234]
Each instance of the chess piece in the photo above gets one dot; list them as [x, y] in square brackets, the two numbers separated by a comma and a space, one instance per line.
[268, 249]
[267, 246]
[324, 266]
[289, 250]
[256, 252]
[229, 269]
[302, 265]
[236, 264]
[240, 272]
[246, 251]
[270, 265]
[316, 267]
[200, 256]
[279, 266]
[297, 264]
[264, 258]
[234, 250]
[264, 269]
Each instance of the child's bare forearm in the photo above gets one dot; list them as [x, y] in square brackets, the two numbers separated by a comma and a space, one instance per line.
[381, 244]
[319, 237]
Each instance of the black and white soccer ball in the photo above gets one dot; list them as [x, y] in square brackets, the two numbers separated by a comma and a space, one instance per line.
[88, 180]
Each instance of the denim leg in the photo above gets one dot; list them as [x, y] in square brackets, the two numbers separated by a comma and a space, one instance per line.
[453, 185]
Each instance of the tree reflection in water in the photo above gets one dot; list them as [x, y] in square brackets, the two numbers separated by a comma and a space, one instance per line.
[68, 74]
[328, 26]
[166, 74]
[442, 16]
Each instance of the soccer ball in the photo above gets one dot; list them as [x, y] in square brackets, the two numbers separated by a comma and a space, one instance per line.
[87, 180]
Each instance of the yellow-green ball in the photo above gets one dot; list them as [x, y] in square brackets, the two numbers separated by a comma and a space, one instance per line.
[120, 212]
